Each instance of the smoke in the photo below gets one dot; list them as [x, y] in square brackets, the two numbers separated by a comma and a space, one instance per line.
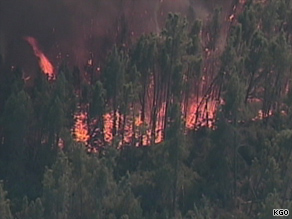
[75, 30]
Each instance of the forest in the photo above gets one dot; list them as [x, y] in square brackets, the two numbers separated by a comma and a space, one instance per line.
[191, 122]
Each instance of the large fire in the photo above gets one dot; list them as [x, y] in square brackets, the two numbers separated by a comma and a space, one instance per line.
[44, 62]
[199, 112]
[195, 117]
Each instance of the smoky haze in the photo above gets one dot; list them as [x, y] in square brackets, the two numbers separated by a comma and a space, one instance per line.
[76, 29]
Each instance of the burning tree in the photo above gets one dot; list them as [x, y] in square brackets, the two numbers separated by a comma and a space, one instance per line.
[215, 108]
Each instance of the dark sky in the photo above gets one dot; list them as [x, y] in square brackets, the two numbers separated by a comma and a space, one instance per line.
[77, 28]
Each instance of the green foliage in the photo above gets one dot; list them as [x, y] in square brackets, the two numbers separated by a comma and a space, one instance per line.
[16, 115]
[194, 35]
[32, 210]
[173, 49]
[205, 211]
[97, 107]
[215, 28]
[234, 96]
[114, 74]
[81, 185]
[64, 90]
[239, 167]
[248, 21]
[257, 52]
[57, 186]
[273, 201]
[4, 204]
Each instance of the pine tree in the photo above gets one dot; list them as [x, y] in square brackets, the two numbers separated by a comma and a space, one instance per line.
[173, 49]
[175, 143]
[97, 110]
[144, 59]
[32, 210]
[16, 117]
[114, 76]
[57, 188]
[5, 212]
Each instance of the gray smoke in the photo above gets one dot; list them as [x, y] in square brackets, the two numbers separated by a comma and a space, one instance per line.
[77, 29]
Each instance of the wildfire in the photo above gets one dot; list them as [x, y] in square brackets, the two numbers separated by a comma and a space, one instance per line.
[80, 129]
[205, 118]
[202, 116]
[44, 62]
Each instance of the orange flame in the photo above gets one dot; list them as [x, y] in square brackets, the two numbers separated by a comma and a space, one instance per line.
[81, 129]
[44, 62]
[205, 118]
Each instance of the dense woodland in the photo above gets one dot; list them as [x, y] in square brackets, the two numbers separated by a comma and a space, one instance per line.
[237, 166]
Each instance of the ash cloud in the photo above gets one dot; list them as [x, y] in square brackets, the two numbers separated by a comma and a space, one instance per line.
[76, 29]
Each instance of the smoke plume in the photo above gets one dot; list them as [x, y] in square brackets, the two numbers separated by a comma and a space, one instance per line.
[75, 30]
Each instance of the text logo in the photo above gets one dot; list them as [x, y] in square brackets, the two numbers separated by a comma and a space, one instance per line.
[280, 212]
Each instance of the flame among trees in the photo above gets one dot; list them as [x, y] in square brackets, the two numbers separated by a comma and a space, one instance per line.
[241, 163]
[142, 84]
[44, 62]
[178, 66]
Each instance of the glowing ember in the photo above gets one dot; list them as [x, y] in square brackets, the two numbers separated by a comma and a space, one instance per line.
[90, 62]
[80, 129]
[44, 63]
[261, 115]
[231, 17]
[204, 117]
[201, 116]
[108, 125]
